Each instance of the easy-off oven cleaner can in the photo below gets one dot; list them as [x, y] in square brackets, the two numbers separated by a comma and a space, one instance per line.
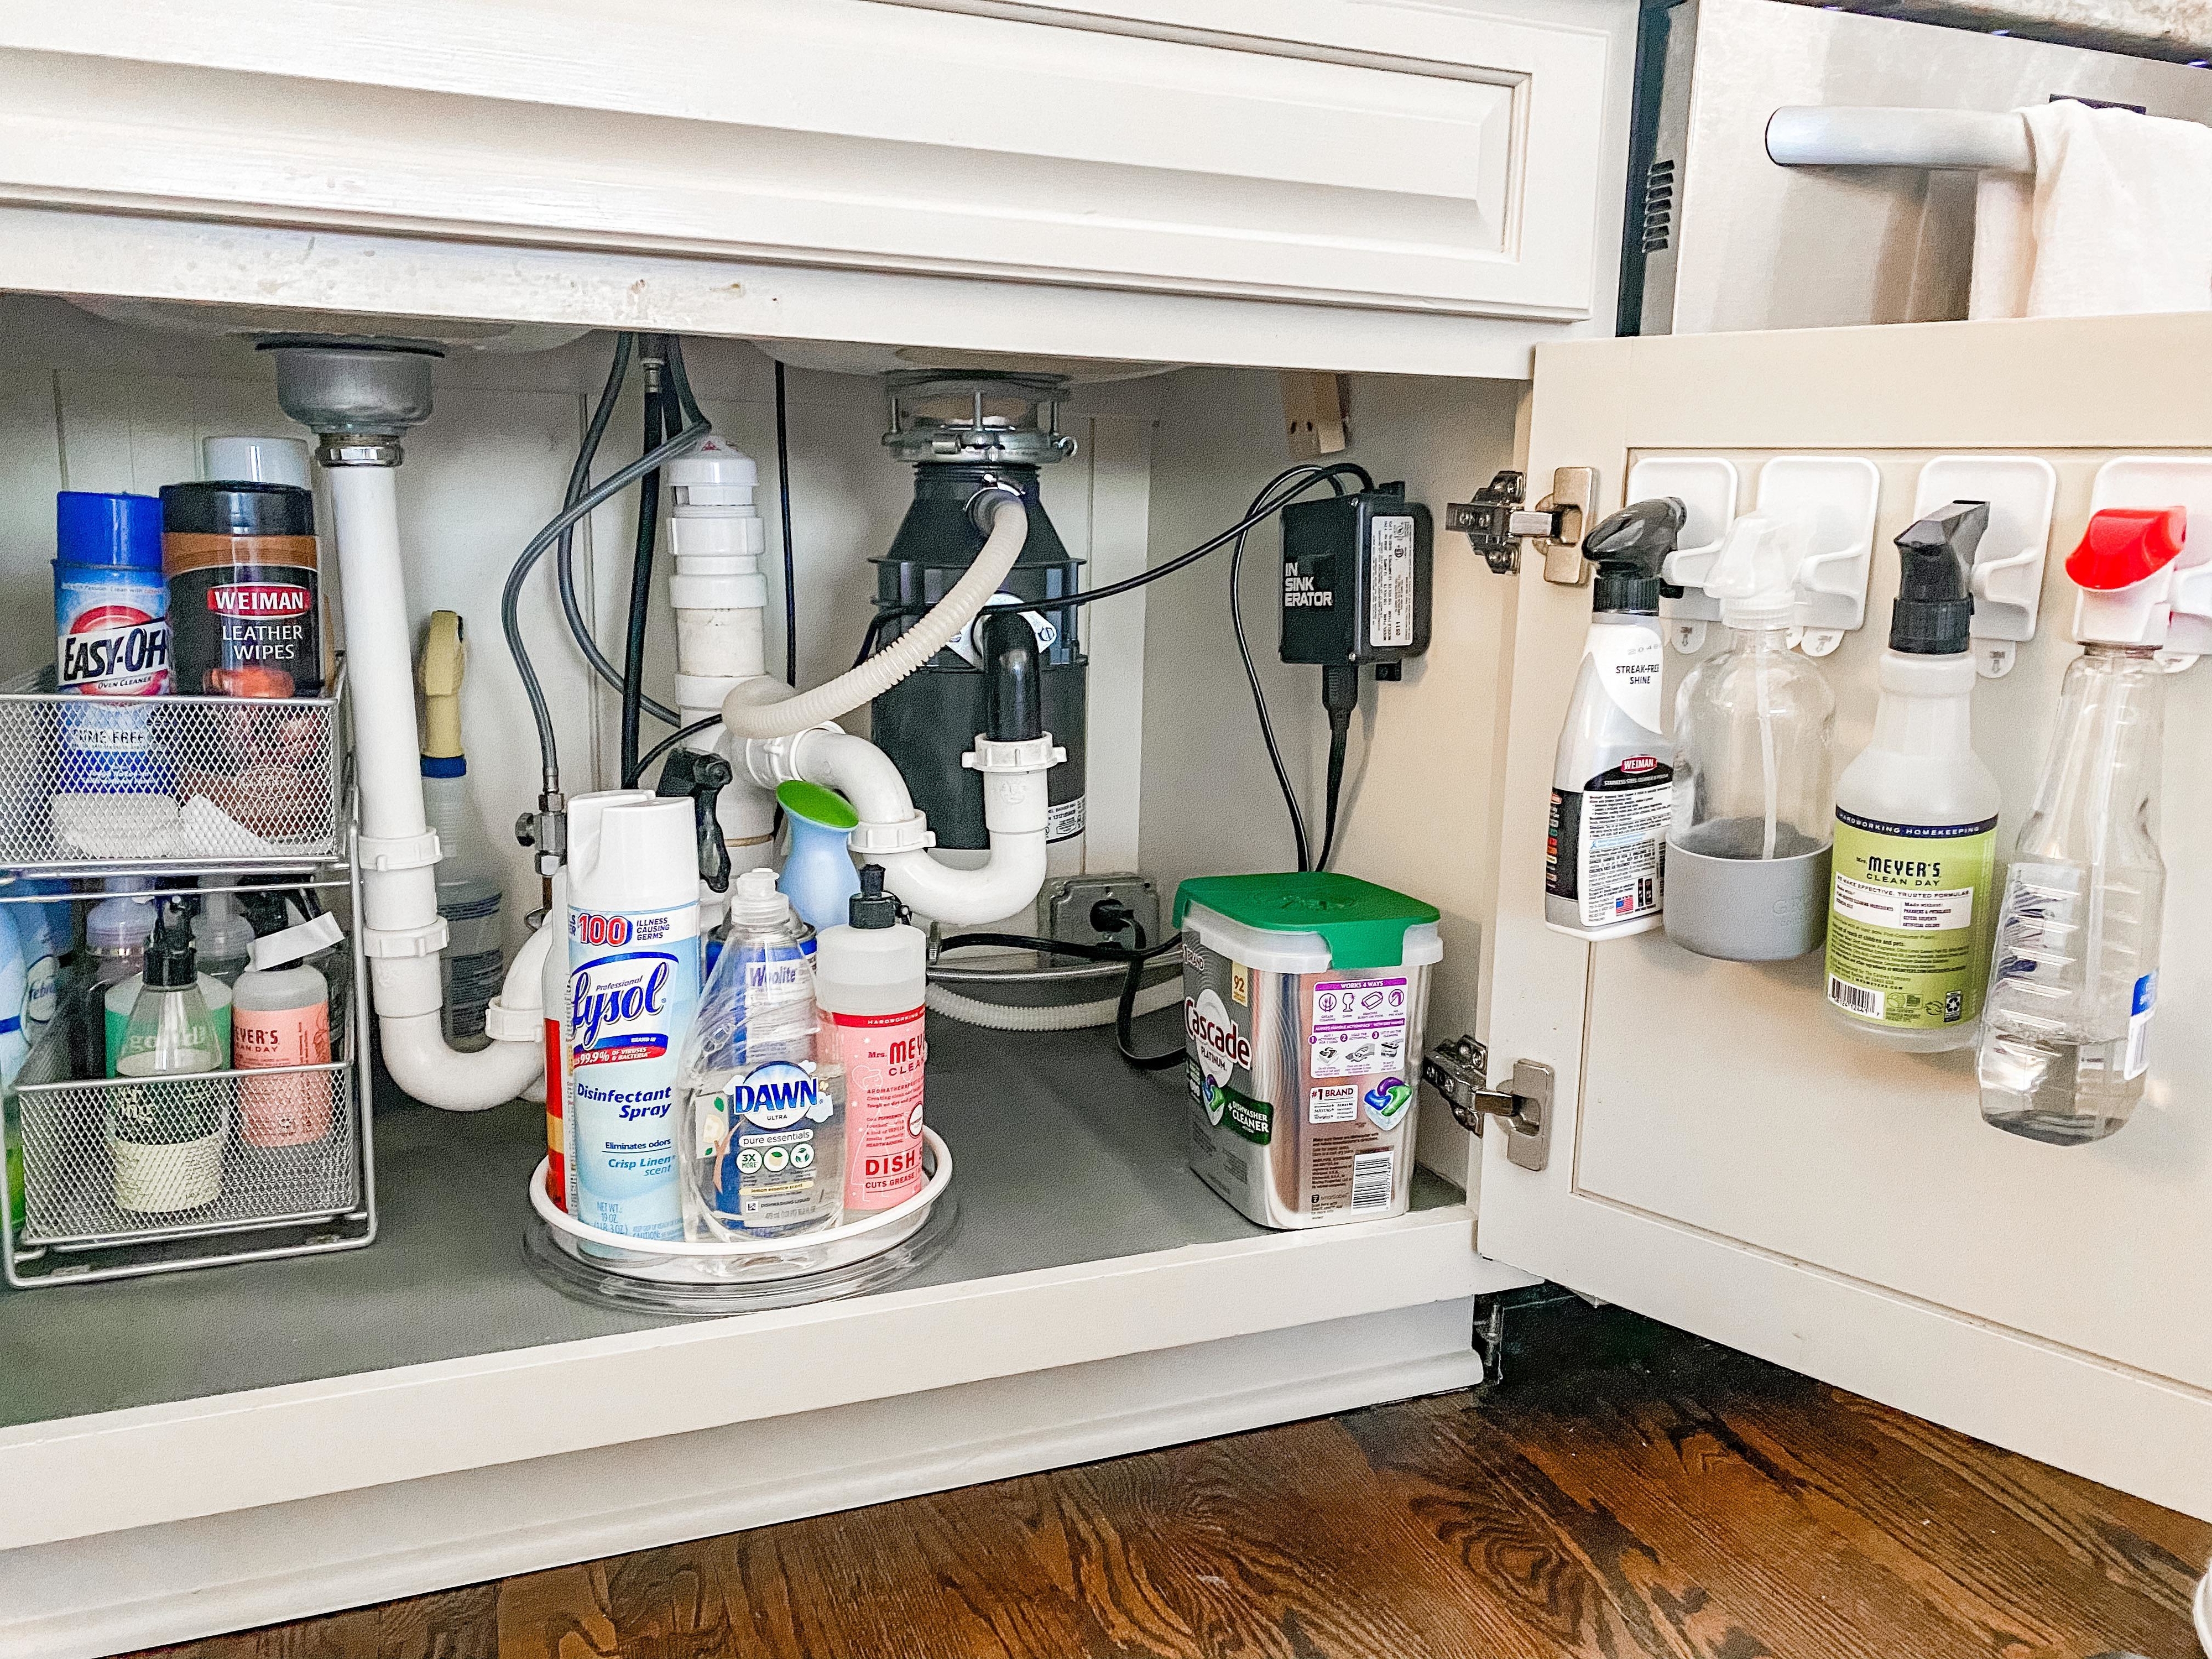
[1302, 1002]
[112, 640]
[633, 903]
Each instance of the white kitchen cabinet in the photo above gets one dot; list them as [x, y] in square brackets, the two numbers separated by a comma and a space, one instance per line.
[1722, 1156]
[1417, 194]
[1342, 169]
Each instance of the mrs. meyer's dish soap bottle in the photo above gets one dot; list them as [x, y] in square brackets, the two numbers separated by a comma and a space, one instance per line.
[633, 895]
[1917, 816]
[1611, 784]
[2065, 1042]
[870, 979]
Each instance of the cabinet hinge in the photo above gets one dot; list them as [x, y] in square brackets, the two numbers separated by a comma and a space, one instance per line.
[1495, 523]
[1458, 1070]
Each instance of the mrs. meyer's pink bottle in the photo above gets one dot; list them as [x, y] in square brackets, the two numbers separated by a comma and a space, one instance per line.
[869, 982]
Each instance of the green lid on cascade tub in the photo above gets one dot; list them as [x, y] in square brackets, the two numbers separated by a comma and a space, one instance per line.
[1308, 921]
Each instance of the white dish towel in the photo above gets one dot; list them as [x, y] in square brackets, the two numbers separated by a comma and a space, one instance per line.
[2117, 218]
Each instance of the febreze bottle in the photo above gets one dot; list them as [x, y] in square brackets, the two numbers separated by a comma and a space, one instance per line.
[1917, 816]
[633, 893]
[1612, 783]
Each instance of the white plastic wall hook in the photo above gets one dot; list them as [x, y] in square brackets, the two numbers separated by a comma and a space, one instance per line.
[1706, 487]
[2175, 606]
[1836, 498]
[2009, 562]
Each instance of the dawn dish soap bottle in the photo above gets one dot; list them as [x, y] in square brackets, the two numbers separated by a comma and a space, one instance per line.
[765, 1130]
[2065, 1038]
[1611, 782]
[1916, 816]
[1747, 870]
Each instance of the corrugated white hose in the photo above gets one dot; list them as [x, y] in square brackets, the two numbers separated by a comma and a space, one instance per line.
[745, 718]
[1062, 1017]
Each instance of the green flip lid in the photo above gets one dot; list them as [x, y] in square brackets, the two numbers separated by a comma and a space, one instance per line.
[1364, 925]
[816, 804]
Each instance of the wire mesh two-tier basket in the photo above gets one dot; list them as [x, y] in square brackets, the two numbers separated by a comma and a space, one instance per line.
[219, 795]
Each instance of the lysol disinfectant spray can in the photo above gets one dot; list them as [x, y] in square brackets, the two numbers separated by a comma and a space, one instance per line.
[633, 990]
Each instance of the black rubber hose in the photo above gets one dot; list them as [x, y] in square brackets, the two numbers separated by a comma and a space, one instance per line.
[579, 477]
[1013, 681]
[658, 423]
[510, 601]
[646, 759]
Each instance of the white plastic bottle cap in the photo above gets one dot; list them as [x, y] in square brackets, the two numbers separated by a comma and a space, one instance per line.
[755, 903]
[250, 459]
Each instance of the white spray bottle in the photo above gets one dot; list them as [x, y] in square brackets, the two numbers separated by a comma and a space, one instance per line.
[632, 904]
[1917, 816]
[1754, 800]
[1604, 857]
[2066, 1037]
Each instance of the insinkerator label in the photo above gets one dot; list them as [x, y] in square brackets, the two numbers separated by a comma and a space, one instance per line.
[1390, 595]
[1629, 661]
[1359, 1026]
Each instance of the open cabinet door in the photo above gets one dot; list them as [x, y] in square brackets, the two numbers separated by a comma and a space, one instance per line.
[1722, 1156]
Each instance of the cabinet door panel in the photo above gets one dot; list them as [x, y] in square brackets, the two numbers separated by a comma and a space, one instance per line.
[1391, 155]
[1725, 1159]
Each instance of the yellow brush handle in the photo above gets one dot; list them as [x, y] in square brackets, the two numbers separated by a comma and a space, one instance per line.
[444, 658]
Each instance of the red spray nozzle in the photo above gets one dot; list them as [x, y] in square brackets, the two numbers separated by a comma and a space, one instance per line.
[2124, 545]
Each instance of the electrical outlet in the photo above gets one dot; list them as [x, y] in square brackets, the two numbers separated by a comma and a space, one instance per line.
[1071, 902]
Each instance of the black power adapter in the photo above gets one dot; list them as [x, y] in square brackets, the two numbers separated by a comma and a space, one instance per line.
[1355, 574]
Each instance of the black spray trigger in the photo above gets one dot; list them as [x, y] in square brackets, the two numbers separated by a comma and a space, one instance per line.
[701, 776]
[1628, 548]
[1935, 608]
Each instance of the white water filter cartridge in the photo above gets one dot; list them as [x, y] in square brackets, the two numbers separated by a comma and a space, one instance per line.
[632, 904]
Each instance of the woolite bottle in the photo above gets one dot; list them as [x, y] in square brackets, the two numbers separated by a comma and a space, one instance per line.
[1612, 786]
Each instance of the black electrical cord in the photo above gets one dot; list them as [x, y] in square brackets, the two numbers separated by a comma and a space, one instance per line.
[790, 566]
[658, 424]
[1339, 695]
[1275, 495]
[1126, 1007]
[1183, 560]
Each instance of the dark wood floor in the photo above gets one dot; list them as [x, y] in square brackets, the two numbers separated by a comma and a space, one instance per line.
[1629, 1491]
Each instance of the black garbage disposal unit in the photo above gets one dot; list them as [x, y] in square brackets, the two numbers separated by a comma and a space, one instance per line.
[971, 435]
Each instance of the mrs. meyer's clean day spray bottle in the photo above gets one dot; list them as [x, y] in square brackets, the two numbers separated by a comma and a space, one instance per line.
[632, 902]
[1917, 816]
[1611, 784]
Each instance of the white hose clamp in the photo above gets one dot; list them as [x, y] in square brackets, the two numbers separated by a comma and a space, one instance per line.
[390, 854]
[389, 944]
[1028, 754]
[910, 834]
[506, 1025]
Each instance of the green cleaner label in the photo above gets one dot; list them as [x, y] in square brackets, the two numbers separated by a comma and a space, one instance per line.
[1907, 946]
